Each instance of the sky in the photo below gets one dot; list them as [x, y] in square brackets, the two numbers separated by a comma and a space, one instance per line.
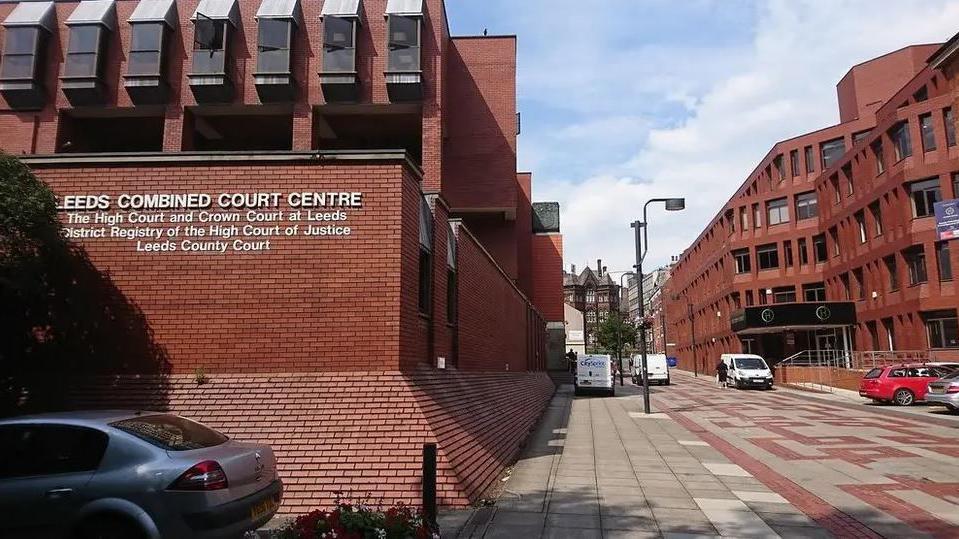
[627, 100]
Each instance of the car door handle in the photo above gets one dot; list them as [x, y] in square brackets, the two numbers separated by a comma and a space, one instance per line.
[59, 493]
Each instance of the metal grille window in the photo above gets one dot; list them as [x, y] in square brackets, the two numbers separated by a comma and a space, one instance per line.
[892, 270]
[943, 261]
[819, 248]
[777, 211]
[950, 122]
[807, 205]
[831, 151]
[743, 261]
[21, 48]
[928, 133]
[814, 292]
[404, 43]
[915, 258]
[146, 49]
[794, 162]
[810, 161]
[339, 45]
[901, 140]
[943, 328]
[768, 256]
[924, 195]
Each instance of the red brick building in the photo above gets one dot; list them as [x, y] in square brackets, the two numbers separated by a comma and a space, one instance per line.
[310, 207]
[830, 243]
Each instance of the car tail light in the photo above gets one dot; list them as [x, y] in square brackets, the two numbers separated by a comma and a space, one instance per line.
[953, 388]
[207, 475]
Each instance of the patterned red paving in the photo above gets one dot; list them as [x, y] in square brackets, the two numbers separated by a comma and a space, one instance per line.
[768, 431]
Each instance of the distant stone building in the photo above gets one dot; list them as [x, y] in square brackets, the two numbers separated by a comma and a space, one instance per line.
[653, 285]
[595, 294]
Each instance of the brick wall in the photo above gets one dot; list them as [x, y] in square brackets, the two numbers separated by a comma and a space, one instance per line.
[358, 432]
[547, 268]
[307, 304]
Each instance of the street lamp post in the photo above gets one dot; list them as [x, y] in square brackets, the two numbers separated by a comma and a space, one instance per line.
[642, 246]
[619, 331]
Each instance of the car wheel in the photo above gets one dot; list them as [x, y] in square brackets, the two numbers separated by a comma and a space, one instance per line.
[904, 397]
[108, 528]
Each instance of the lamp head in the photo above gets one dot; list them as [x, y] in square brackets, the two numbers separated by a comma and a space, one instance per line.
[675, 204]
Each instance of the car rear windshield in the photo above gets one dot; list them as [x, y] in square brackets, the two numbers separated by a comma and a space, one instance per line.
[749, 363]
[951, 376]
[170, 432]
[875, 373]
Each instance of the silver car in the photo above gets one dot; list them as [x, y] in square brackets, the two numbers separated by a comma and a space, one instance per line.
[945, 391]
[122, 474]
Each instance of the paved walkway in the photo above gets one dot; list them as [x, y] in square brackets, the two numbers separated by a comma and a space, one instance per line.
[729, 463]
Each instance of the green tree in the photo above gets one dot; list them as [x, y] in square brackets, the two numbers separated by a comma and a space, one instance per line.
[616, 334]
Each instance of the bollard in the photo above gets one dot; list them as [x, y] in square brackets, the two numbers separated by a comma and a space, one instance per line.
[429, 484]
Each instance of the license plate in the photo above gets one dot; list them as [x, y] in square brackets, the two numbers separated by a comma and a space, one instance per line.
[758, 380]
[585, 383]
[263, 508]
[937, 390]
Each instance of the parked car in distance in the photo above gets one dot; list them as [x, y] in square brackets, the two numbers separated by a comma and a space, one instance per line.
[747, 370]
[903, 384]
[595, 373]
[657, 369]
[128, 474]
[945, 392]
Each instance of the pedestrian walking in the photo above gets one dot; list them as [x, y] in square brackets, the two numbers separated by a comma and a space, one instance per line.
[722, 373]
[571, 361]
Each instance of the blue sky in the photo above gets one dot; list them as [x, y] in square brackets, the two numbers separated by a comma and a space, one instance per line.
[631, 99]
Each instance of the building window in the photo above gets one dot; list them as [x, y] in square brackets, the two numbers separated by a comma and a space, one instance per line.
[915, 258]
[757, 217]
[950, 122]
[861, 225]
[425, 262]
[785, 294]
[749, 298]
[22, 48]
[339, 44]
[901, 140]
[943, 261]
[859, 136]
[590, 295]
[876, 212]
[777, 211]
[810, 161]
[880, 158]
[943, 328]
[404, 43]
[763, 298]
[834, 238]
[209, 47]
[873, 334]
[819, 248]
[146, 49]
[743, 262]
[846, 289]
[850, 185]
[743, 219]
[768, 256]
[452, 292]
[83, 52]
[794, 162]
[924, 195]
[803, 254]
[814, 292]
[955, 185]
[836, 191]
[780, 168]
[889, 326]
[788, 253]
[928, 133]
[807, 206]
[591, 317]
[275, 38]
[892, 271]
[860, 283]
[832, 151]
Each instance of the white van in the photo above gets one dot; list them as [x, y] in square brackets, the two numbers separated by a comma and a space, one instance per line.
[595, 373]
[657, 369]
[747, 370]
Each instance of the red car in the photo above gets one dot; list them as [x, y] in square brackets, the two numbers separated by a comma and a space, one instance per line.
[901, 384]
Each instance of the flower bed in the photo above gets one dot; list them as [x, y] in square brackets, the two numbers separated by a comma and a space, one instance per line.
[358, 519]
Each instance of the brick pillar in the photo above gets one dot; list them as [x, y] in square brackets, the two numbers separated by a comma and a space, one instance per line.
[302, 127]
[174, 137]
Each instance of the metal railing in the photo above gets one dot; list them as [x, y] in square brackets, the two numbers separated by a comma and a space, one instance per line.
[825, 370]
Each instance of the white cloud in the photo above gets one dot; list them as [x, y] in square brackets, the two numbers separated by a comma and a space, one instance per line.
[739, 101]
